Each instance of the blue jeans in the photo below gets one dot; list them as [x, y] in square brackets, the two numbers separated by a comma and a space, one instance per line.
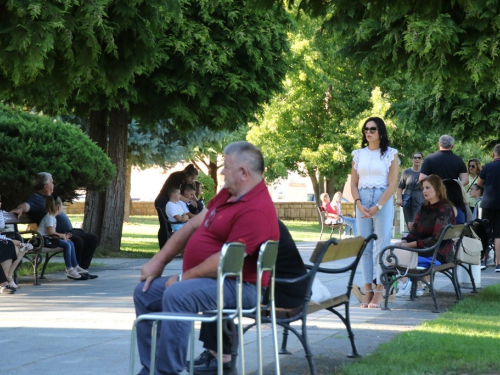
[176, 227]
[381, 224]
[190, 296]
[69, 253]
[350, 224]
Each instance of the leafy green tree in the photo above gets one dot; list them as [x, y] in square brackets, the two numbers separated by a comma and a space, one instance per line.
[211, 63]
[32, 143]
[446, 52]
[312, 127]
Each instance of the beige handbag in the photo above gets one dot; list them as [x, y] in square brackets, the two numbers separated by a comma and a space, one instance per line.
[470, 249]
[407, 259]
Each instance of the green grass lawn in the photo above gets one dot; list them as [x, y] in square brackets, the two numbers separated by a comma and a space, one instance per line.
[461, 341]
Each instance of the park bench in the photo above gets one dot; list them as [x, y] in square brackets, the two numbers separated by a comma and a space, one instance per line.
[350, 251]
[392, 269]
[33, 237]
[322, 216]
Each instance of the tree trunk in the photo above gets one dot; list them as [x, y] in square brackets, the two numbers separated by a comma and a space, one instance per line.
[128, 198]
[331, 186]
[115, 193]
[212, 171]
[94, 201]
[316, 188]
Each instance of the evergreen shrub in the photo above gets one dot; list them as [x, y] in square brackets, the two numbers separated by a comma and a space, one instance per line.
[208, 186]
[33, 143]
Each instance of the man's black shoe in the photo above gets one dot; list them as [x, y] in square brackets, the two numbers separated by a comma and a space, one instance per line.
[210, 368]
[92, 277]
[203, 358]
[83, 276]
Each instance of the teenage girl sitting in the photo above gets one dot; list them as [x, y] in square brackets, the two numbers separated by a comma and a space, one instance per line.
[47, 227]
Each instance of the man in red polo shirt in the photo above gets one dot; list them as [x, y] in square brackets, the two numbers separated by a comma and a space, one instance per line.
[242, 212]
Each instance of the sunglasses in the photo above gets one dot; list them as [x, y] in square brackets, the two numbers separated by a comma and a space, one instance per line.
[371, 130]
[417, 157]
[472, 166]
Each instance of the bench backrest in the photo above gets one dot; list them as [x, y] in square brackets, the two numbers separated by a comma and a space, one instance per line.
[337, 250]
[11, 218]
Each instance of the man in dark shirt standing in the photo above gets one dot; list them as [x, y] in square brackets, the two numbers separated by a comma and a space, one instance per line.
[489, 178]
[445, 163]
[85, 243]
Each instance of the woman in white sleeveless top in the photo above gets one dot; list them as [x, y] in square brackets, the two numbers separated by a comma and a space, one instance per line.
[374, 178]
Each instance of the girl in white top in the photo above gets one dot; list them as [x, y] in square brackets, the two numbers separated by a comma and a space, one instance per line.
[47, 227]
[374, 178]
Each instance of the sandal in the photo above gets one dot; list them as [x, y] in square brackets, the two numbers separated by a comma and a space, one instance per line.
[365, 305]
[376, 305]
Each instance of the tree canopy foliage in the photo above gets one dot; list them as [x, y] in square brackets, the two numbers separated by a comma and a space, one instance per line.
[312, 126]
[445, 52]
[203, 64]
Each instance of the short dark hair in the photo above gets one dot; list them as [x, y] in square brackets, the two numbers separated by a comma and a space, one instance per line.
[479, 187]
[188, 187]
[496, 149]
[172, 189]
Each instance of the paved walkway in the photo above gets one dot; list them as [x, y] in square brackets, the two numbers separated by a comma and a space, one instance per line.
[66, 326]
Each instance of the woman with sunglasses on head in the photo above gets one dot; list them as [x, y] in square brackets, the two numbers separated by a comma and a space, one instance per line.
[409, 183]
[473, 167]
[374, 178]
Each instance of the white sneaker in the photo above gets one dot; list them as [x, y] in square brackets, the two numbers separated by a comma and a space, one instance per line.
[72, 274]
[420, 292]
[81, 270]
[404, 288]
[11, 282]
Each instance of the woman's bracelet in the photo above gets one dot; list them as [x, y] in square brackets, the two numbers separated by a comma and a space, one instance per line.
[356, 201]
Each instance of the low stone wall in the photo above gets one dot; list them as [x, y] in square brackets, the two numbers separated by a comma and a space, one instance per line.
[137, 208]
[286, 211]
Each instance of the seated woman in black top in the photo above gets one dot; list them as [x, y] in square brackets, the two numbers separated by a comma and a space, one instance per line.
[435, 213]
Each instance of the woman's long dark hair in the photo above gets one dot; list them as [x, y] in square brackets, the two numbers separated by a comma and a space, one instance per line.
[454, 193]
[382, 133]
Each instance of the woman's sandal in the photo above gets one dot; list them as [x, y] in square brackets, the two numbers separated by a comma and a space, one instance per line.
[365, 305]
[376, 305]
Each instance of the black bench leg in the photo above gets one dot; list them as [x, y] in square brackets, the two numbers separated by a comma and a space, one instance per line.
[469, 271]
[42, 276]
[35, 262]
[350, 333]
[433, 293]
[453, 276]
[307, 349]
[283, 349]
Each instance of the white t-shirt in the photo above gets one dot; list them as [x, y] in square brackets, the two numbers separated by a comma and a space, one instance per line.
[173, 209]
[47, 221]
[183, 205]
[373, 170]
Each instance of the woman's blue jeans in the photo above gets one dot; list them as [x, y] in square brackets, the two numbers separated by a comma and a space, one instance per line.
[380, 224]
[350, 223]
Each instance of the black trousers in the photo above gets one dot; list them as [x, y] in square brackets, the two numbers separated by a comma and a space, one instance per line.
[7, 251]
[85, 245]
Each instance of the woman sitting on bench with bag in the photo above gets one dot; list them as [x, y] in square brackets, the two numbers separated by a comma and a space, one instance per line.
[435, 214]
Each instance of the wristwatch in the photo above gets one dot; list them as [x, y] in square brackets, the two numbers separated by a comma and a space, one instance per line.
[379, 206]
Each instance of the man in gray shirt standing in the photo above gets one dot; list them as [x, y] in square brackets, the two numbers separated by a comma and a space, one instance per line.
[445, 163]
